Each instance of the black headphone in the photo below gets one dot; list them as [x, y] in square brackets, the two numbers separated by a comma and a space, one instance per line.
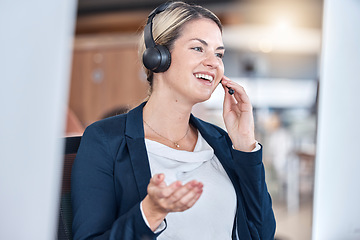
[156, 58]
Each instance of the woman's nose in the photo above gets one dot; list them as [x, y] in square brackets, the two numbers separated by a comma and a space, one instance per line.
[211, 60]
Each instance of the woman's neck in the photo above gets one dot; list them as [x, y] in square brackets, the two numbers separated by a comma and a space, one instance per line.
[167, 120]
[168, 114]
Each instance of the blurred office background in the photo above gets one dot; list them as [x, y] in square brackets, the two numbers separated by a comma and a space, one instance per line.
[273, 49]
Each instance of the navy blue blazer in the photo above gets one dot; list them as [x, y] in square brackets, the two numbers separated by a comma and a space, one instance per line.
[111, 173]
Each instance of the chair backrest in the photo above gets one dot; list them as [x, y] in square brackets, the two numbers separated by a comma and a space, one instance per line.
[65, 213]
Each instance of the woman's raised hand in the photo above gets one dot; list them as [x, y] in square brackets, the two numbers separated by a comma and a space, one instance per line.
[162, 199]
[238, 116]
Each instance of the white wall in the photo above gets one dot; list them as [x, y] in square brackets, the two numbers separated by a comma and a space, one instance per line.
[337, 191]
[35, 46]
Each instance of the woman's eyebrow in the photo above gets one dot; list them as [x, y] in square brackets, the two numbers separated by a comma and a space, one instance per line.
[206, 44]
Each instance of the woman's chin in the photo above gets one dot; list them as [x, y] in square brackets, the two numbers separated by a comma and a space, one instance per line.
[203, 97]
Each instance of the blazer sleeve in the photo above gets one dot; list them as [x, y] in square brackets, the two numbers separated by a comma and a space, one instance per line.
[257, 200]
[95, 210]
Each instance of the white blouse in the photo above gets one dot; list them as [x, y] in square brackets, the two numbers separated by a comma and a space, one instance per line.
[212, 216]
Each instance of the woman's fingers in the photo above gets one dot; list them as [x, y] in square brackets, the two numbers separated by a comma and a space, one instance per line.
[187, 200]
[187, 191]
[228, 99]
[239, 95]
[169, 191]
[158, 188]
[185, 197]
[175, 197]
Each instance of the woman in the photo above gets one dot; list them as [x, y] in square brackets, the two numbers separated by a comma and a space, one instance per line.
[158, 172]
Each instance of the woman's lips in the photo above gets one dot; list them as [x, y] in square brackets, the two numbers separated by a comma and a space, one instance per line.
[204, 76]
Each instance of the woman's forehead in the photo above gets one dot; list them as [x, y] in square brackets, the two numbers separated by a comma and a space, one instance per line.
[204, 29]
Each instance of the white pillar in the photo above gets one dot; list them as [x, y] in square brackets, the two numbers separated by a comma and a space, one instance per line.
[35, 45]
[337, 175]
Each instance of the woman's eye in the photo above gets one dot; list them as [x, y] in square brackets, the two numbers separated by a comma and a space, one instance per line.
[219, 55]
[198, 49]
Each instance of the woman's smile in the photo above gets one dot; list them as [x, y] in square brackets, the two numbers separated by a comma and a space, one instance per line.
[205, 78]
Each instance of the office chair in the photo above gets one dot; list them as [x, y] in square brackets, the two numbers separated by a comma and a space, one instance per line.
[65, 212]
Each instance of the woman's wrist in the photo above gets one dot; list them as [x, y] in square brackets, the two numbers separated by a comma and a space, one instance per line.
[245, 146]
[153, 217]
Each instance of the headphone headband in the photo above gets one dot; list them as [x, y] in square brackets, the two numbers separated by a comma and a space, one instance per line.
[148, 35]
[157, 10]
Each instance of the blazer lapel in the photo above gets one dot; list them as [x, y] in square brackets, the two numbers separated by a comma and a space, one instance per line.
[137, 150]
[218, 142]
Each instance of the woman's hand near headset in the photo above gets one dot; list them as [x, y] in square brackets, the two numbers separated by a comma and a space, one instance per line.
[162, 199]
[238, 116]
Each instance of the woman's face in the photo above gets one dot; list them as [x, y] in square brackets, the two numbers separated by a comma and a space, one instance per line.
[196, 62]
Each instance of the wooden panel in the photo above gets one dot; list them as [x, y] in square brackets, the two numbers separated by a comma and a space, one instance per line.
[111, 22]
[104, 77]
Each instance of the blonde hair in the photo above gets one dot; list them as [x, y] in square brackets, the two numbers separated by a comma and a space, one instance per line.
[167, 26]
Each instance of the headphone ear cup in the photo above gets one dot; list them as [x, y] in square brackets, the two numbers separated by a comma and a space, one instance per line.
[152, 58]
[157, 59]
[165, 59]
